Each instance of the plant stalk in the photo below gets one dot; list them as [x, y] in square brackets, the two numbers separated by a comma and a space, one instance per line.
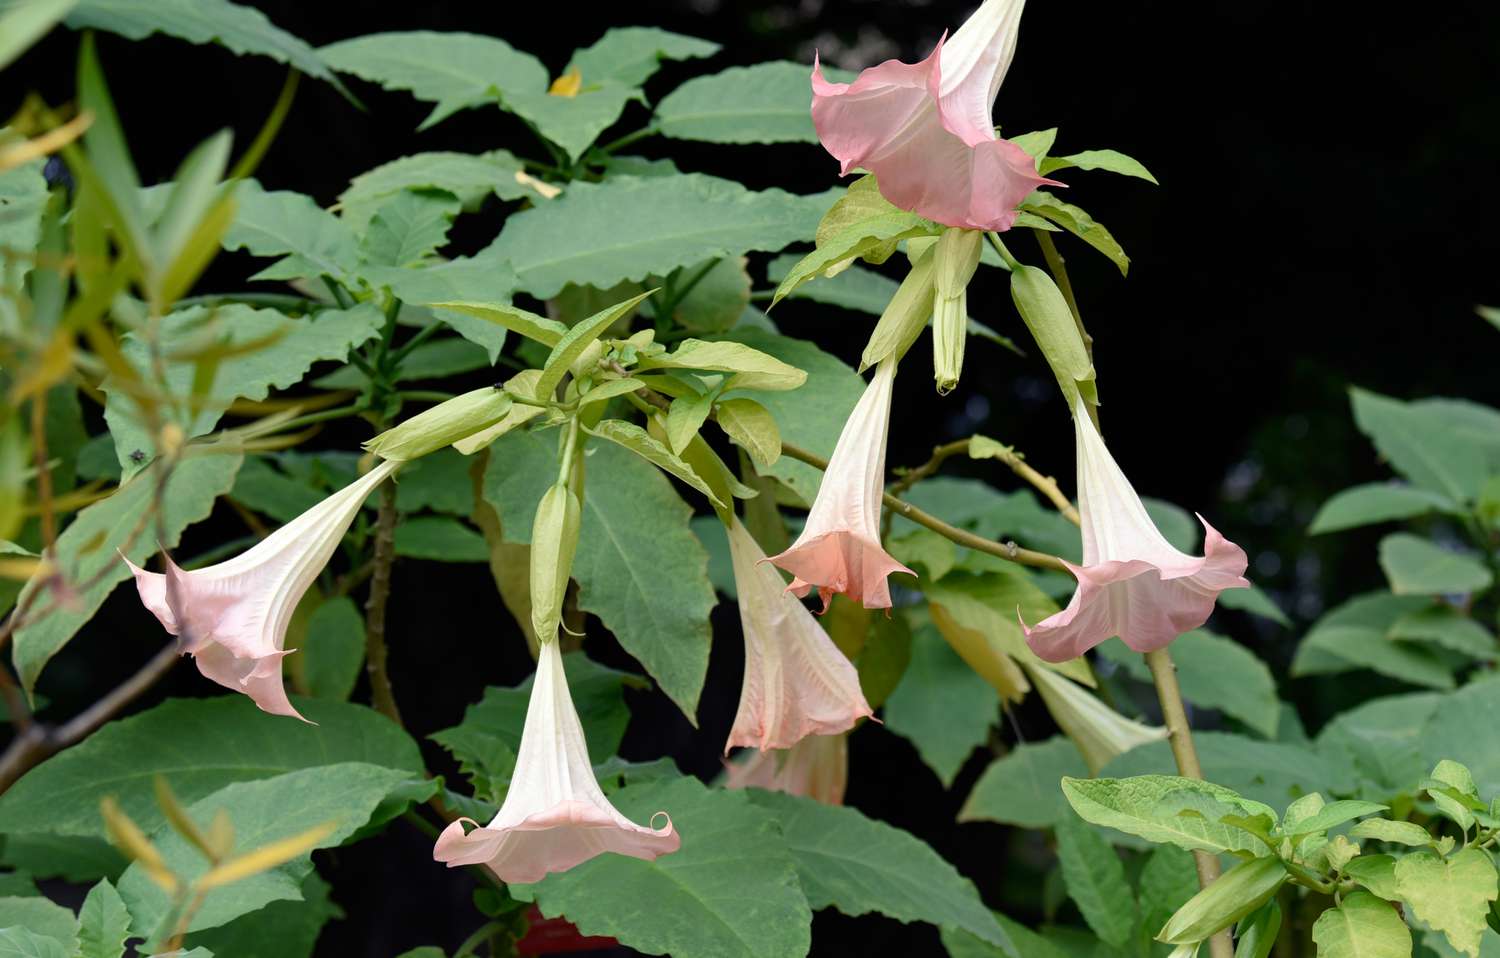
[382, 695]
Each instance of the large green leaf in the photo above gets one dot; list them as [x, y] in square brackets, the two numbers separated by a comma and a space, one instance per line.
[1354, 636]
[199, 746]
[1422, 444]
[454, 70]
[41, 915]
[639, 567]
[764, 103]
[573, 122]
[408, 228]
[485, 744]
[333, 654]
[630, 55]
[263, 811]
[1362, 926]
[942, 706]
[1382, 739]
[313, 241]
[1376, 502]
[859, 865]
[1025, 786]
[1452, 896]
[87, 553]
[1269, 772]
[627, 228]
[440, 539]
[469, 176]
[286, 349]
[18, 942]
[731, 891]
[1442, 624]
[103, 923]
[1417, 566]
[811, 416]
[243, 29]
[282, 929]
[1135, 806]
[1454, 732]
[1216, 673]
[1095, 878]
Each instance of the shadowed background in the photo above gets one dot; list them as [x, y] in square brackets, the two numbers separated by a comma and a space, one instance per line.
[1323, 220]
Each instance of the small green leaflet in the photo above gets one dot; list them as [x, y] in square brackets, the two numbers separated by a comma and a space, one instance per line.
[1362, 926]
[1417, 566]
[1375, 502]
[103, 923]
[1112, 161]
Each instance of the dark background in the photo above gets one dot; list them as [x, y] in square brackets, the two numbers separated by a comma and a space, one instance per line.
[1325, 219]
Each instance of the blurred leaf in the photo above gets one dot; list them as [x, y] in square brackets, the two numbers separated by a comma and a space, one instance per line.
[1353, 636]
[343, 793]
[282, 929]
[715, 303]
[1417, 566]
[1255, 601]
[1024, 787]
[266, 489]
[673, 221]
[859, 866]
[1375, 502]
[202, 745]
[471, 177]
[408, 228]
[456, 71]
[23, 197]
[1421, 444]
[334, 652]
[942, 706]
[87, 551]
[108, 156]
[72, 858]
[630, 55]
[1214, 672]
[639, 567]
[440, 539]
[27, 21]
[988, 605]
[39, 915]
[1445, 626]
[20, 943]
[1452, 732]
[1096, 880]
[764, 103]
[439, 482]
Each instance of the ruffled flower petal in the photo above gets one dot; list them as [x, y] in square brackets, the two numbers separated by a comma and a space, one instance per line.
[816, 767]
[797, 683]
[839, 549]
[555, 815]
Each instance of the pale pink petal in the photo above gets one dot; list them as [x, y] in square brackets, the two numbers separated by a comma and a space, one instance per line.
[797, 683]
[816, 767]
[839, 549]
[152, 588]
[258, 678]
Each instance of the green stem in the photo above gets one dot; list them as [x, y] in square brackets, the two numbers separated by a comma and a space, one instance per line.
[478, 938]
[336, 289]
[1011, 263]
[1059, 269]
[630, 138]
[282, 301]
[325, 415]
[421, 336]
[425, 395]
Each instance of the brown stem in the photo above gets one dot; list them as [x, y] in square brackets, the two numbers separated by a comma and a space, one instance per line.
[939, 455]
[384, 698]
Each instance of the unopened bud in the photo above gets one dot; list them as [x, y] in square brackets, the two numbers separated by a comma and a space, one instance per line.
[956, 258]
[907, 312]
[1232, 896]
[1052, 325]
[554, 540]
[442, 425]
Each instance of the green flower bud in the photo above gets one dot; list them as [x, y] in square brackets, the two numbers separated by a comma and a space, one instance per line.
[1235, 894]
[554, 540]
[955, 259]
[1051, 322]
[442, 425]
[907, 312]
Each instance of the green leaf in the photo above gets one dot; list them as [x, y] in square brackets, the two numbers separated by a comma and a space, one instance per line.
[26, 22]
[573, 122]
[1234, 895]
[858, 866]
[1112, 161]
[440, 539]
[582, 236]
[639, 567]
[1076, 221]
[87, 553]
[1096, 880]
[288, 348]
[811, 416]
[201, 745]
[630, 55]
[1421, 444]
[637, 440]
[571, 346]
[1025, 786]
[103, 923]
[685, 417]
[1025, 943]
[262, 487]
[1376, 502]
[17, 942]
[731, 891]
[1445, 626]
[346, 794]
[1376, 873]
[1450, 732]
[1256, 602]
[72, 858]
[23, 197]
[1216, 673]
[456, 71]
[334, 652]
[40, 915]
[439, 482]
[471, 177]
[752, 369]
[1382, 739]
[751, 426]
[408, 228]
[857, 288]
[1362, 926]
[1130, 805]
[988, 605]
[546, 331]
[764, 103]
[1385, 830]
[871, 236]
[1168, 880]
[1270, 772]
[1417, 566]
[486, 742]
[942, 707]
[313, 241]
[1328, 816]
[1353, 636]
[1451, 896]
[282, 929]
[242, 29]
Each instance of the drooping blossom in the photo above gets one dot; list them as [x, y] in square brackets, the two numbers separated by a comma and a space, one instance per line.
[816, 767]
[555, 815]
[1099, 732]
[797, 683]
[232, 617]
[839, 549]
[925, 129]
[1133, 583]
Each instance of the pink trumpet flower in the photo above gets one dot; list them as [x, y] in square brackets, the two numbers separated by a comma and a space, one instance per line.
[839, 549]
[797, 683]
[816, 767]
[1132, 583]
[232, 617]
[925, 129]
[554, 816]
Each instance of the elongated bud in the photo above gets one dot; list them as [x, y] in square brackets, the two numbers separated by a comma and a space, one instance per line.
[554, 540]
[1232, 896]
[442, 425]
[956, 258]
[1051, 322]
[907, 312]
